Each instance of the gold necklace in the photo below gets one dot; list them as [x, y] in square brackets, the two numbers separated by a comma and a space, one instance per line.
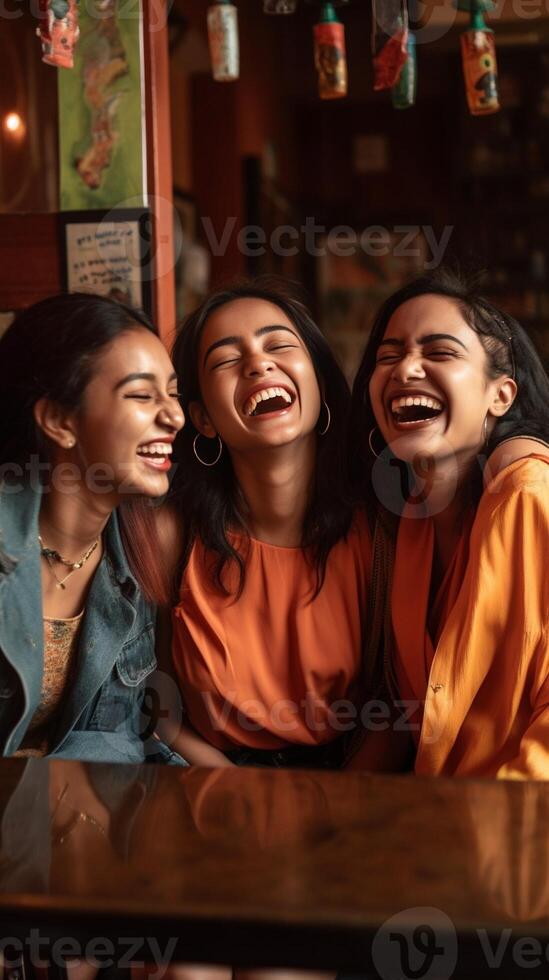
[52, 556]
[78, 817]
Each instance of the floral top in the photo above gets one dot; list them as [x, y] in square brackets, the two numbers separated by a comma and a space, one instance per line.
[60, 646]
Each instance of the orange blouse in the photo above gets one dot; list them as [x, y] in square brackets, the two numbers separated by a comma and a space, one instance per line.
[271, 668]
[478, 664]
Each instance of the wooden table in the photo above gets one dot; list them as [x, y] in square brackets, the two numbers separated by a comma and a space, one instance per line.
[277, 868]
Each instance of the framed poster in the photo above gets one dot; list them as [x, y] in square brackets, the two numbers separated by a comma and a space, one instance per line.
[102, 147]
[108, 253]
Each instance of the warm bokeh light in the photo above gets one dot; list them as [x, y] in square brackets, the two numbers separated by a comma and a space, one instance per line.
[13, 124]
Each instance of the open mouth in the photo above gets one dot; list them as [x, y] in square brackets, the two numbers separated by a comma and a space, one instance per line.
[156, 454]
[267, 401]
[415, 409]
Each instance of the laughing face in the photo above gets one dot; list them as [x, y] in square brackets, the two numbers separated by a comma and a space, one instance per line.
[258, 383]
[430, 389]
[129, 416]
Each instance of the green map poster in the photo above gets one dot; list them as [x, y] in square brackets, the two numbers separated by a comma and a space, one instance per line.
[101, 112]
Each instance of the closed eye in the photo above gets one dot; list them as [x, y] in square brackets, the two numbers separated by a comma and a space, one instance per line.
[228, 360]
[442, 353]
[142, 397]
[439, 352]
[386, 358]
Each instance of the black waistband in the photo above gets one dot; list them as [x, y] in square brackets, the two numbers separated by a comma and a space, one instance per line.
[328, 756]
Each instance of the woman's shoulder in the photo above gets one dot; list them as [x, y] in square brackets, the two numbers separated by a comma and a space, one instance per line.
[519, 449]
[509, 541]
[518, 495]
[521, 472]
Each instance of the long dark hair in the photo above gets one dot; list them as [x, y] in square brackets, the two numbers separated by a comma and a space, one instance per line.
[50, 350]
[509, 351]
[207, 497]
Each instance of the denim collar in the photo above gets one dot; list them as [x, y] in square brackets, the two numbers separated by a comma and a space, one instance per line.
[19, 509]
[117, 557]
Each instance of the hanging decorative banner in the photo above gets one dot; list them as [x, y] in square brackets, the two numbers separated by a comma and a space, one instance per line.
[330, 56]
[389, 41]
[58, 31]
[279, 6]
[478, 53]
[403, 94]
[223, 39]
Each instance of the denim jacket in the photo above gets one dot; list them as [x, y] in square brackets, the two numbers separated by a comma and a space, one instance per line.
[100, 719]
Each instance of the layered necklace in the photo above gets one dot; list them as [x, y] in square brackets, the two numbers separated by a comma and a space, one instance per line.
[53, 556]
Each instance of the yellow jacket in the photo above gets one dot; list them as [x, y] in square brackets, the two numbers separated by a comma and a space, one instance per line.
[483, 685]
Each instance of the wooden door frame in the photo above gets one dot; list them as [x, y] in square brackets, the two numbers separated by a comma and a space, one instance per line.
[159, 163]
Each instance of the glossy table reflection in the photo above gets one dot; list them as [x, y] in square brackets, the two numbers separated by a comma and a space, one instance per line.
[259, 867]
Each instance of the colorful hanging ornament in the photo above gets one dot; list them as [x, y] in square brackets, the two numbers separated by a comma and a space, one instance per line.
[478, 53]
[279, 6]
[223, 39]
[58, 31]
[330, 56]
[403, 94]
[389, 41]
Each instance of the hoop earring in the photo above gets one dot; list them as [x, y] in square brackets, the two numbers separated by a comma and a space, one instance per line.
[217, 458]
[485, 428]
[370, 437]
[329, 422]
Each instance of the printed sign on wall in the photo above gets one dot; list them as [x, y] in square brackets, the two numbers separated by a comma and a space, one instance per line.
[108, 253]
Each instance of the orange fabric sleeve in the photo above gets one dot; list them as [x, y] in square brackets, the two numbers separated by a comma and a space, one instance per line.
[532, 760]
[491, 716]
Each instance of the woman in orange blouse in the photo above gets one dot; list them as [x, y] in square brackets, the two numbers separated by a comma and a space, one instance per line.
[460, 547]
[267, 633]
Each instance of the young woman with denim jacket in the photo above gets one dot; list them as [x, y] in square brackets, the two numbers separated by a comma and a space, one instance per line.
[88, 412]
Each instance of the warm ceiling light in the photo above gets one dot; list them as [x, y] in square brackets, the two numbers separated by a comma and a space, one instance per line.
[13, 124]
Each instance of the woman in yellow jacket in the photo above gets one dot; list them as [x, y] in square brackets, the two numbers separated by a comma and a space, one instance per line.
[451, 410]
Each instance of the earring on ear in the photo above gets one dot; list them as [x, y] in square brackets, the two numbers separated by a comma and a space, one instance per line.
[203, 461]
[370, 443]
[70, 443]
[485, 429]
[328, 421]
